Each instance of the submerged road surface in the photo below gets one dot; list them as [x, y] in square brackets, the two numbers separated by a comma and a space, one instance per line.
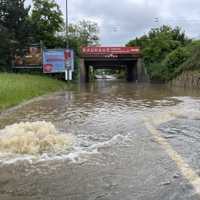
[131, 142]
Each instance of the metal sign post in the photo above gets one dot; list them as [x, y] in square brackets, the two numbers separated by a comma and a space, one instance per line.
[67, 45]
[68, 54]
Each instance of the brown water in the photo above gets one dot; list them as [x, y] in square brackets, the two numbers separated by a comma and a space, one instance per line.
[114, 157]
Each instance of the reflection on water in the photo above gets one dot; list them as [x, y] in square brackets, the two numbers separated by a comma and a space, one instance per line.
[90, 100]
[113, 151]
[96, 113]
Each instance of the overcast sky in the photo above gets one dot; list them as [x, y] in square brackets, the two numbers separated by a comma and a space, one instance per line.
[122, 20]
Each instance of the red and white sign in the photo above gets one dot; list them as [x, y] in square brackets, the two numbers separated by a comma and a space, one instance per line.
[47, 68]
[110, 50]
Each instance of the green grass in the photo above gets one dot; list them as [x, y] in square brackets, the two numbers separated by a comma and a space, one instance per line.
[18, 88]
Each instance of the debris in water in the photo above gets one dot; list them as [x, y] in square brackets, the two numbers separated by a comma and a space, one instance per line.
[176, 176]
[33, 138]
[166, 183]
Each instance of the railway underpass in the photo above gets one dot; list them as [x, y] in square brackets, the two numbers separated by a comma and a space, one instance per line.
[127, 58]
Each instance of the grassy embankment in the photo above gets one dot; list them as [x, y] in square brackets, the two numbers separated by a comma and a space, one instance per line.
[176, 62]
[193, 62]
[188, 73]
[18, 88]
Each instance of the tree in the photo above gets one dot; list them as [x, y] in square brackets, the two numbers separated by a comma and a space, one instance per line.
[47, 21]
[5, 47]
[84, 33]
[13, 17]
[157, 44]
[13, 28]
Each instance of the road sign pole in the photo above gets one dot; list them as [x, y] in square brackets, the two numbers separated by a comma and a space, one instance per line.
[67, 44]
[70, 75]
[66, 74]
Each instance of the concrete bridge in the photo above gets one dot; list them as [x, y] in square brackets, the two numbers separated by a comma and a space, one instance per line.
[128, 58]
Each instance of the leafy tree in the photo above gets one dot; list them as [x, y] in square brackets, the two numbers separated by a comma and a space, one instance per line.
[167, 69]
[5, 47]
[13, 17]
[13, 28]
[84, 33]
[47, 21]
[157, 44]
[193, 61]
[19, 27]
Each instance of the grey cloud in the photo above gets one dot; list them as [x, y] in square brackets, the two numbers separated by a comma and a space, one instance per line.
[122, 20]
[130, 18]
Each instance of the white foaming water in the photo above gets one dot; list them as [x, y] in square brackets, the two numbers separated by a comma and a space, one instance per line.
[40, 141]
[79, 151]
[33, 139]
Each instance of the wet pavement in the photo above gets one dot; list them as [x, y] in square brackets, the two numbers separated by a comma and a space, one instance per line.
[114, 156]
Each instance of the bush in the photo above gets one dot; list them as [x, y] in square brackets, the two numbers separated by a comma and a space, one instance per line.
[180, 59]
[163, 51]
[193, 62]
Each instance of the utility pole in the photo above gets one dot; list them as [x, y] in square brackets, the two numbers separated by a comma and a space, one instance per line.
[68, 72]
[67, 25]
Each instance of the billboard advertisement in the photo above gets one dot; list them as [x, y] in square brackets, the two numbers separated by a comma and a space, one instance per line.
[58, 60]
[29, 57]
[53, 61]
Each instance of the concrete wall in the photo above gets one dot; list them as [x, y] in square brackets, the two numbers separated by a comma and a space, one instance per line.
[141, 71]
[188, 79]
[84, 72]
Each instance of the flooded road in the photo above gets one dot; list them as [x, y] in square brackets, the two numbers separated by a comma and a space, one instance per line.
[114, 156]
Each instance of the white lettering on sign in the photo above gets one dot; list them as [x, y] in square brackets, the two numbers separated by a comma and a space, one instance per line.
[111, 50]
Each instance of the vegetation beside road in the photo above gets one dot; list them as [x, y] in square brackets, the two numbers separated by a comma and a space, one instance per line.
[15, 88]
[42, 22]
[193, 61]
[167, 52]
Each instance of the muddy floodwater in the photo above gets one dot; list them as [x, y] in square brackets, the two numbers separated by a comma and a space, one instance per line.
[114, 155]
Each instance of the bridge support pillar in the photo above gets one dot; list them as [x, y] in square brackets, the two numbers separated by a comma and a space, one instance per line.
[141, 72]
[84, 72]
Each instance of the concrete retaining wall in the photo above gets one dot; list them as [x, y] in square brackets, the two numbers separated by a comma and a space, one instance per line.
[188, 79]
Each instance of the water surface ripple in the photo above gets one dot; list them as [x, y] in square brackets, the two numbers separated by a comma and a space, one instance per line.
[114, 157]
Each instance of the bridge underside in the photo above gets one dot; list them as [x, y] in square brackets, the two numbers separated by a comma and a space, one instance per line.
[131, 65]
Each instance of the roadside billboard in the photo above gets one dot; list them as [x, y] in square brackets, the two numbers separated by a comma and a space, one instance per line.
[53, 61]
[58, 60]
[29, 57]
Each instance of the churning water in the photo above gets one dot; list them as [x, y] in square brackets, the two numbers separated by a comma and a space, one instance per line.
[33, 138]
[91, 144]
